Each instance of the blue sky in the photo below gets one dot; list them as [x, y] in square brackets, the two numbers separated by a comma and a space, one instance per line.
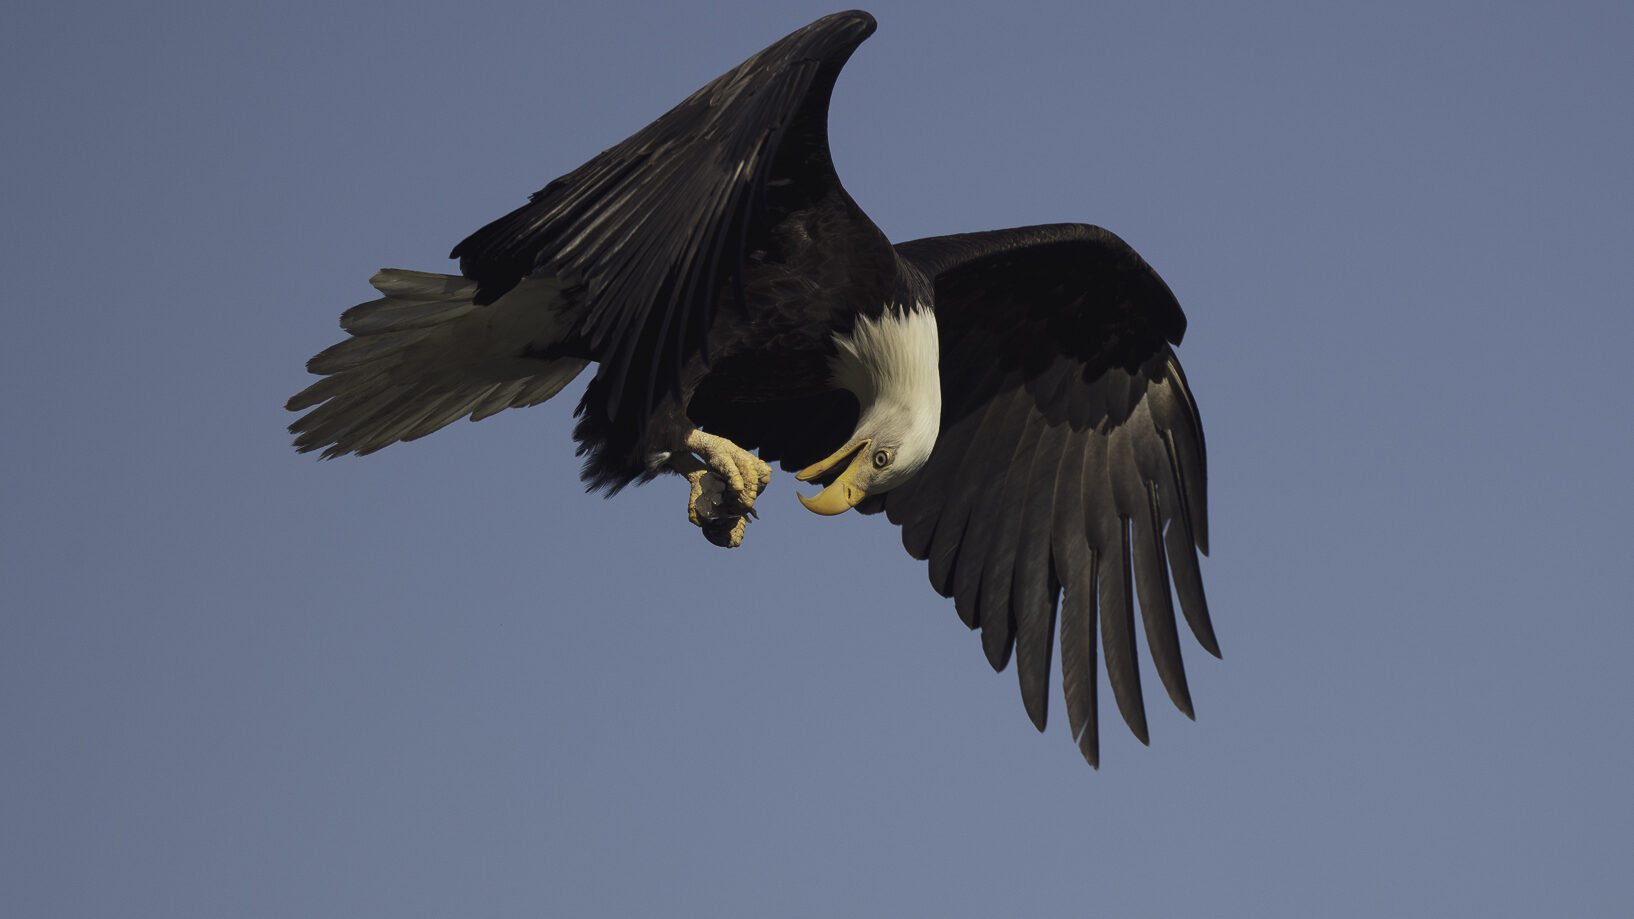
[441, 680]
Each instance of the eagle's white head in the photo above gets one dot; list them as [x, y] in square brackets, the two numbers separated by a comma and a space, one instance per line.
[890, 364]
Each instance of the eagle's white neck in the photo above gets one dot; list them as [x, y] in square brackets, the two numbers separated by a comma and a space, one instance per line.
[891, 364]
[892, 358]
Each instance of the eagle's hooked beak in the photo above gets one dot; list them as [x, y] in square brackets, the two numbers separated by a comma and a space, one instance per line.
[844, 492]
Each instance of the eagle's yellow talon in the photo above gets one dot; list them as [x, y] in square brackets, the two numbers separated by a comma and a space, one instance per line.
[723, 482]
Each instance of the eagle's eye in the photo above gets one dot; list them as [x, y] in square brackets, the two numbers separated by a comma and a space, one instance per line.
[882, 458]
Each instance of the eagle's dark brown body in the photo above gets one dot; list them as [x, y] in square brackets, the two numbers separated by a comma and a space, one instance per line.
[709, 264]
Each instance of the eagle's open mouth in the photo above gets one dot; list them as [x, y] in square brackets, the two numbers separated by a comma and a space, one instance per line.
[825, 471]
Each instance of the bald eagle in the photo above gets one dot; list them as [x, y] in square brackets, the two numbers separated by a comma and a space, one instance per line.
[1010, 398]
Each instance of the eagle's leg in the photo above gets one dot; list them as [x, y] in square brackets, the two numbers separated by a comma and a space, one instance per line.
[725, 480]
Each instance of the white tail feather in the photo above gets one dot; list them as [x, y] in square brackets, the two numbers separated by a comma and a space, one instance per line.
[425, 355]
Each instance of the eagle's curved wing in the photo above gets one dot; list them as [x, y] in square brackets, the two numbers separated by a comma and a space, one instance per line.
[654, 228]
[1070, 458]
[621, 261]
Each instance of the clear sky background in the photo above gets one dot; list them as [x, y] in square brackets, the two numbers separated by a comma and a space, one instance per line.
[442, 681]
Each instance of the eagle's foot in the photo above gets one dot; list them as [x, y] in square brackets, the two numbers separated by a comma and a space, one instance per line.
[725, 480]
[743, 474]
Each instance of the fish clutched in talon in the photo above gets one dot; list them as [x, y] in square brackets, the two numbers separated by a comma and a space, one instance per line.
[722, 503]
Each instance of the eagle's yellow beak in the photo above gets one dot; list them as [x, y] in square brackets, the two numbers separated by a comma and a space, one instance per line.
[844, 492]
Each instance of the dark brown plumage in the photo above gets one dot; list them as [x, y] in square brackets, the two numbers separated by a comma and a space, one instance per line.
[714, 269]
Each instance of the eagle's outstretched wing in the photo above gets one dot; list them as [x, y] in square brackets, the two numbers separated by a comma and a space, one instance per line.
[622, 261]
[1070, 459]
[654, 229]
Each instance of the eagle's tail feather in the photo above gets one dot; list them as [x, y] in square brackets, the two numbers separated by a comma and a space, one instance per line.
[425, 355]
